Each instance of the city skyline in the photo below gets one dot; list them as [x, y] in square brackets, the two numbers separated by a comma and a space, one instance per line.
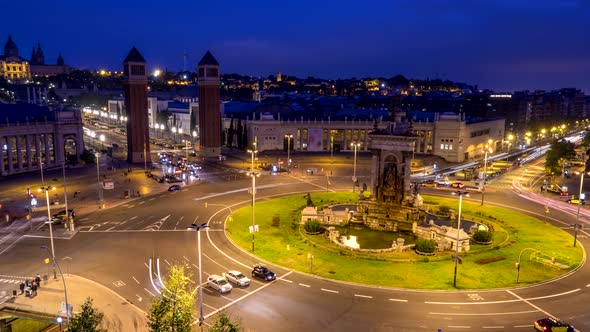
[504, 45]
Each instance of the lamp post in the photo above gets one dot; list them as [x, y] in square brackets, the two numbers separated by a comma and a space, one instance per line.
[289, 136]
[198, 228]
[64, 282]
[253, 174]
[577, 225]
[174, 131]
[69, 223]
[460, 194]
[100, 202]
[485, 170]
[355, 145]
[47, 189]
[518, 263]
[331, 147]
[101, 138]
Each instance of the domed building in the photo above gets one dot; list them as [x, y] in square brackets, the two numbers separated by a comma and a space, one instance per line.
[12, 66]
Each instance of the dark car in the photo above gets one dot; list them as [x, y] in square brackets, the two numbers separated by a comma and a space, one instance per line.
[59, 217]
[552, 325]
[263, 273]
[174, 187]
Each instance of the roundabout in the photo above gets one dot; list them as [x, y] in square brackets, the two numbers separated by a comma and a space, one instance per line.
[282, 241]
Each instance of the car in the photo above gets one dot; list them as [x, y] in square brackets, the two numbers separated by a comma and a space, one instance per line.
[552, 325]
[576, 201]
[458, 185]
[429, 184]
[263, 273]
[174, 187]
[218, 283]
[237, 278]
[59, 217]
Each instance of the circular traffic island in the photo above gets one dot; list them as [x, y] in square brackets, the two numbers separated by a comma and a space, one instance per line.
[344, 248]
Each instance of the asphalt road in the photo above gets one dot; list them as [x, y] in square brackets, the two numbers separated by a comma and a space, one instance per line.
[114, 247]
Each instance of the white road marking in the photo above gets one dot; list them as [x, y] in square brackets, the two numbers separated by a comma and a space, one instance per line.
[141, 202]
[504, 301]
[398, 300]
[492, 327]
[532, 305]
[138, 298]
[186, 259]
[196, 267]
[459, 326]
[84, 219]
[130, 206]
[522, 326]
[304, 285]
[330, 291]
[289, 281]
[184, 189]
[483, 313]
[152, 294]
[167, 262]
[151, 199]
[135, 279]
[363, 296]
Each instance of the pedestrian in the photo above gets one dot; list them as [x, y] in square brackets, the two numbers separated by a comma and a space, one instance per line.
[38, 280]
[27, 283]
[34, 289]
[21, 286]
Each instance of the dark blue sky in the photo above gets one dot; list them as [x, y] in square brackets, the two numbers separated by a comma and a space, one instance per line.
[499, 44]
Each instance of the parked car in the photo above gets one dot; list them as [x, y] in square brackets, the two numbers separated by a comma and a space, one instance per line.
[174, 187]
[218, 283]
[552, 325]
[237, 278]
[263, 273]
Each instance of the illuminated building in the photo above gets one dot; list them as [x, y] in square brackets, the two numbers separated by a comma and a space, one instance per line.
[12, 66]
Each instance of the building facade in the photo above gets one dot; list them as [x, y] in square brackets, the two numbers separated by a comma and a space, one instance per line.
[12, 66]
[33, 134]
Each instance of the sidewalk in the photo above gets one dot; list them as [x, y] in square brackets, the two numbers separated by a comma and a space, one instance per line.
[119, 315]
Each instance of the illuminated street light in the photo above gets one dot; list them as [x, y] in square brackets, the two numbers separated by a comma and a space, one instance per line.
[50, 222]
[59, 319]
[198, 228]
[253, 174]
[485, 168]
[289, 137]
[460, 194]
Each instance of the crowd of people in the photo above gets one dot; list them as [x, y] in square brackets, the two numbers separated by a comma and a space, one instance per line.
[30, 287]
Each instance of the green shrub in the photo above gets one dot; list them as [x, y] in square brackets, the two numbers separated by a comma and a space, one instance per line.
[444, 209]
[425, 246]
[482, 236]
[312, 226]
[276, 220]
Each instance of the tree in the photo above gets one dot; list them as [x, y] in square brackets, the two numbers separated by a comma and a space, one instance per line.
[230, 134]
[223, 323]
[88, 157]
[88, 320]
[173, 310]
[560, 151]
[162, 117]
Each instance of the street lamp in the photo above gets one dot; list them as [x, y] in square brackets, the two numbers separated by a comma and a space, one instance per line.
[485, 169]
[100, 201]
[253, 174]
[460, 194]
[101, 139]
[577, 225]
[198, 228]
[355, 145]
[47, 189]
[64, 282]
[174, 131]
[289, 136]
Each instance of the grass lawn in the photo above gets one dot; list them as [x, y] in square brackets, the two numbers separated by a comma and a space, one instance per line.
[281, 240]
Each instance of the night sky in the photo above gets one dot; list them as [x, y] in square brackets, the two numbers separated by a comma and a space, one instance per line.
[503, 45]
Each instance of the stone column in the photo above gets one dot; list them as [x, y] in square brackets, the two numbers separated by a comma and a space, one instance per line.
[47, 155]
[9, 152]
[38, 150]
[29, 152]
[374, 174]
[58, 148]
[19, 154]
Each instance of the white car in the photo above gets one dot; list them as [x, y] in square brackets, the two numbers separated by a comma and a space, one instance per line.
[237, 278]
[218, 283]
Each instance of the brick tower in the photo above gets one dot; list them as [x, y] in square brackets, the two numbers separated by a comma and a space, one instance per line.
[209, 112]
[135, 84]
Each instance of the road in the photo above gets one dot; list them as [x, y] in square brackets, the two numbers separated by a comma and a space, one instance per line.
[116, 246]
